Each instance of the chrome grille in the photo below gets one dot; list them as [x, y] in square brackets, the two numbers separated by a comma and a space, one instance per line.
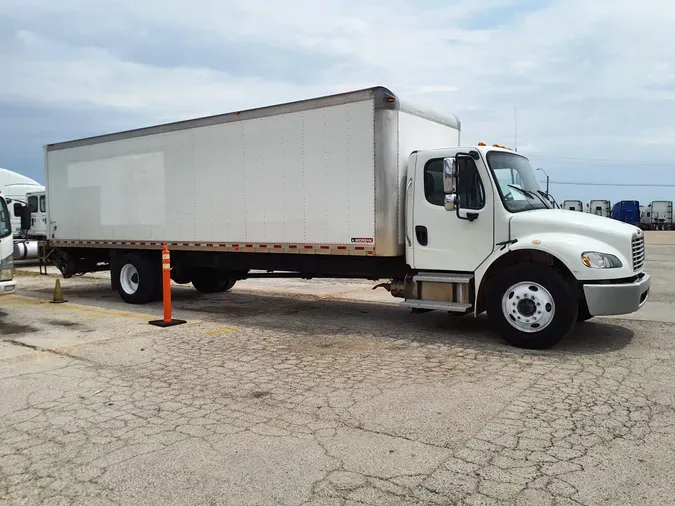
[638, 252]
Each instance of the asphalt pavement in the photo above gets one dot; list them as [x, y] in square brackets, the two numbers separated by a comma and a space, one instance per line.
[327, 393]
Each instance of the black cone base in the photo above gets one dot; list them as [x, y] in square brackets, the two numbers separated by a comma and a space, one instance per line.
[170, 323]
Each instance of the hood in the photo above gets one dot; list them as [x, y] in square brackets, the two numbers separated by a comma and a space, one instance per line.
[615, 233]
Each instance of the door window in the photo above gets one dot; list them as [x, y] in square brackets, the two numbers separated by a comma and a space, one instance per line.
[471, 192]
[33, 204]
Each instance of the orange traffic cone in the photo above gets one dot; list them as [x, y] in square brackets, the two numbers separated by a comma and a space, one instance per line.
[58, 294]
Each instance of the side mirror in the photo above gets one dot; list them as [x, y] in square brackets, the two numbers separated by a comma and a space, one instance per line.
[18, 209]
[450, 202]
[25, 219]
[449, 175]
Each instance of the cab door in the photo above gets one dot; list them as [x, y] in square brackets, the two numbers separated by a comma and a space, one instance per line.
[451, 240]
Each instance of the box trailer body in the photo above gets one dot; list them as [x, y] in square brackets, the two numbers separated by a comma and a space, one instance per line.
[354, 185]
[600, 208]
[658, 215]
[331, 175]
[627, 211]
[573, 205]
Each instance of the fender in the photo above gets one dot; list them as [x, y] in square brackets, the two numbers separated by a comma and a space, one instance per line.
[567, 248]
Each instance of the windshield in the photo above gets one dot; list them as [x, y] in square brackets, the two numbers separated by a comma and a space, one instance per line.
[518, 186]
[5, 225]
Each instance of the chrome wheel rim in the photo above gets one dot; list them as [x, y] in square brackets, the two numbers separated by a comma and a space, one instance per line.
[129, 279]
[528, 307]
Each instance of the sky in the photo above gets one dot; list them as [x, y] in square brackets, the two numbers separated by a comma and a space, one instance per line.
[592, 84]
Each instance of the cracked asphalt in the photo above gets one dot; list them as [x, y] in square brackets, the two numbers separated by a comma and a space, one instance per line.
[327, 393]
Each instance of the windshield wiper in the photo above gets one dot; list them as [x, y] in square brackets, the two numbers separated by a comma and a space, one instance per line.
[531, 194]
[551, 197]
[524, 192]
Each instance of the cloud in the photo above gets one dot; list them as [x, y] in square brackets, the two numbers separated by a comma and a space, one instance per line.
[587, 78]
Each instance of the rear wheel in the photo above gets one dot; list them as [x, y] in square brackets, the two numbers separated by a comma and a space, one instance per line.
[531, 306]
[136, 279]
[211, 281]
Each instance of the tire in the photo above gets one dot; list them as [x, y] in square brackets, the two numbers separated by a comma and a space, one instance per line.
[229, 284]
[136, 279]
[531, 306]
[210, 281]
[180, 279]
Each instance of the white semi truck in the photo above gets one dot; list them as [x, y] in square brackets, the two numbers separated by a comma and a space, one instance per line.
[658, 215]
[16, 188]
[573, 205]
[36, 227]
[600, 208]
[354, 185]
[7, 284]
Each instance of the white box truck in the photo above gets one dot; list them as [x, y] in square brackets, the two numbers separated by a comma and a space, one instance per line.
[354, 185]
[600, 208]
[7, 283]
[573, 205]
[658, 215]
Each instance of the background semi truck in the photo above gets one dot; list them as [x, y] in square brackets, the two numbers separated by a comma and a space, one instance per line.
[627, 211]
[354, 185]
[658, 215]
[16, 188]
[600, 208]
[573, 205]
[7, 284]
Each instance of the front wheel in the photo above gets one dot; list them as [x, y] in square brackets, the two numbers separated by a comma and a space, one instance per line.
[531, 306]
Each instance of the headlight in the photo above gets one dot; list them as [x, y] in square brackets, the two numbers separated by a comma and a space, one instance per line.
[7, 269]
[596, 260]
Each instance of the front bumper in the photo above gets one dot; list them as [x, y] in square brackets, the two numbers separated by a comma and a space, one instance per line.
[605, 300]
[7, 287]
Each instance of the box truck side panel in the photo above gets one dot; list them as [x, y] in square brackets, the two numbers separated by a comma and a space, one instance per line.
[302, 177]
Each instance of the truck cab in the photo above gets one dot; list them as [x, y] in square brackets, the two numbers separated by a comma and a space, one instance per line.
[573, 205]
[7, 284]
[481, 237]
[37, 207]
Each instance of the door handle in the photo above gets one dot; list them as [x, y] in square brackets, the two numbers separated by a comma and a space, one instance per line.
[422, 235]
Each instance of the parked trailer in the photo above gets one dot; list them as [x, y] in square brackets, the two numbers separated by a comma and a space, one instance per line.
[355, 185]
[573, 205]
[627, 211]
[658, 215]
[600, 208]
